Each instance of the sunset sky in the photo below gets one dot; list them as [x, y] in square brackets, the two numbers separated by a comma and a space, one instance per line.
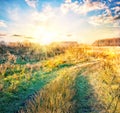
[47, 21]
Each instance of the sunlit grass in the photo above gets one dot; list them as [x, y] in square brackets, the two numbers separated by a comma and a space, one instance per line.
[70, 92]
[57, 81]
[106, 82]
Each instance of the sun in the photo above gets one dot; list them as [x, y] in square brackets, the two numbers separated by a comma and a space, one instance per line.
[45, 36]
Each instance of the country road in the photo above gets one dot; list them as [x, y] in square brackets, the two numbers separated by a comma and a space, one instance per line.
[69, 92]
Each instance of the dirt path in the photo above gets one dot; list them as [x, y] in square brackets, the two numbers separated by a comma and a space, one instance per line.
[70, 92]
[86, 64]
[86, 101]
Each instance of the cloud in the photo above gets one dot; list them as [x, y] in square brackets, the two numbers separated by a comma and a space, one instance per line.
[2, 34]
[22, 36]
[101, 20]
[106, 21]
[69, 35]
[106, 17]
[107, 12]
[117, 17]
[43, 16]
[28, 37]
[15, 35]
[96, 20]
[48, 24]
[118, 3]
[2, 24]
[110, 0]
[31, 3]
[82, 8]
[56, 24]
[116, 9]
[14, 14]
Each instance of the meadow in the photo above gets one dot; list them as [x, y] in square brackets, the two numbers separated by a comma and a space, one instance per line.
[57, 78]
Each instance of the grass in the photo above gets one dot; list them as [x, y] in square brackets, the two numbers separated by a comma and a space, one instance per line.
[56, 97]
[80, 79]
[83, 95]
[70, 92]
[106, 82]
[23, 91]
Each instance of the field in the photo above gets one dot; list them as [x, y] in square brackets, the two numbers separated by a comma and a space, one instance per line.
[59, 78]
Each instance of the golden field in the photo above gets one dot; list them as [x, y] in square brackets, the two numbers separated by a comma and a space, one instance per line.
[59, 79]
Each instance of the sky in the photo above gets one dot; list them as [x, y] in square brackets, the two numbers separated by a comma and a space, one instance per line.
[46, 21]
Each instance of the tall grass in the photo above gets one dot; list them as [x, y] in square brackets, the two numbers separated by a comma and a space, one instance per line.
[56, 97]
[106, 82]
[70, 92]
[26, 68]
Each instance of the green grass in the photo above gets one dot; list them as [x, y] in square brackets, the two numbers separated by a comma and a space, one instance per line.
[23, 86]
[84, 99]
[56, 97]
[61, 84]
[12, 100]
[70, 92]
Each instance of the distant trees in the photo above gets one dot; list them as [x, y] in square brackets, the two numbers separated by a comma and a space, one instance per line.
[107, 42]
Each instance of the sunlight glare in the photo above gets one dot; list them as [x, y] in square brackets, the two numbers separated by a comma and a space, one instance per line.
[45, 36]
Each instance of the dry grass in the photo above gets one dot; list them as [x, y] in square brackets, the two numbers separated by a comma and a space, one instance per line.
[106, 82]
[57, 96]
